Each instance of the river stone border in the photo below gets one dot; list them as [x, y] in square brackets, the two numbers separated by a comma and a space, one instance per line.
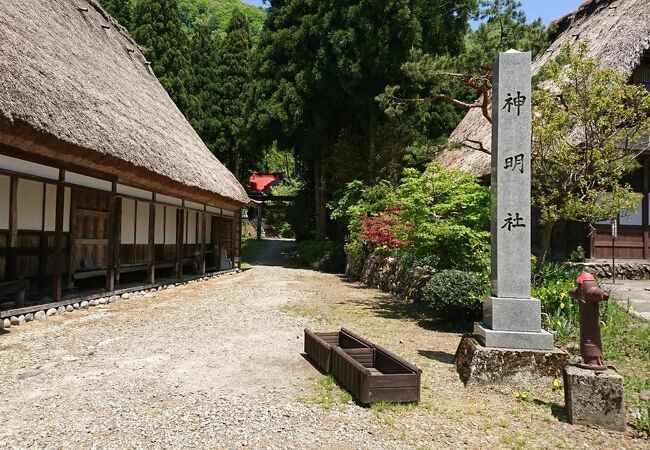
[43, 314]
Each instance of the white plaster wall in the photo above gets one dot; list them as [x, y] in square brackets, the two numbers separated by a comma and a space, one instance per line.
[66, 209]
[128, 221]
[50, 207]
[160, 225]
[213, 210]
[84, 180]
[133, 192]
[142, 233]
[208, 229]
[191, 227]
[193, 205]
[228, 213]
[30, 205]
[170, 225]
[30, 168]
[169, 200]
[4, 202]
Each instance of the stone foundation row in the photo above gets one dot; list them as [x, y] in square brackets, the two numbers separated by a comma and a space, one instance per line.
[624, 271]
[43, 314]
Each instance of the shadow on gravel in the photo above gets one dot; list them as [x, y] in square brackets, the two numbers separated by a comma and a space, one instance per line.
[443, 357]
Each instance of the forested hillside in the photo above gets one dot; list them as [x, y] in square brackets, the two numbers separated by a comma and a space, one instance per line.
[217, 13]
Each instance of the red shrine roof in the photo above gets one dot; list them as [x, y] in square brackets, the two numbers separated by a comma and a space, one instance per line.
[263, 182]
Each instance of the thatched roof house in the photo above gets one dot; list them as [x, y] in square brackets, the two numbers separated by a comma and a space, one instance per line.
[75, 86]
[103, 182]
[618, 32]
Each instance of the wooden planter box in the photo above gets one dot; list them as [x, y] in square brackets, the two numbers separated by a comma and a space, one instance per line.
[375, 375]
[318, 346]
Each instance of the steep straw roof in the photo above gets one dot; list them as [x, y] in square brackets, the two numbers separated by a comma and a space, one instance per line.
[70, 72]
[618, 32]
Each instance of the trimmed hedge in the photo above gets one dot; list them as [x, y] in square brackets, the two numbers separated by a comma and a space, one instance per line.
[456, 295]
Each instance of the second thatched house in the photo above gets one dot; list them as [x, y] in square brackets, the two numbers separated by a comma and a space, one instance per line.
[618, 32]
[103, 183]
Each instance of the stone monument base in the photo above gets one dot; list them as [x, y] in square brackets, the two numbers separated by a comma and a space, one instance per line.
[477, 364]
[594, 398]
[530, 340]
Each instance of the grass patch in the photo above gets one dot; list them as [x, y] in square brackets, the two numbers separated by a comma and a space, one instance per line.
[325, 393]
[250, 248]
[380, 407]
[302, 312]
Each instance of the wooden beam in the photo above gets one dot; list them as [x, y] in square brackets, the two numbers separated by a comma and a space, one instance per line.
[12, 238]
[72, 239]
[118, 239]
[43, 244]
[151, 253]
[180, 241]
[203, 226]
[239, 228]
[110, 247]
[57, 266]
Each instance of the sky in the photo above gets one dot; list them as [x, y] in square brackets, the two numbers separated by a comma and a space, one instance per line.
[546, 9]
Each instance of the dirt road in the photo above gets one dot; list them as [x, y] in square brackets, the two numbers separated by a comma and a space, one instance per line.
[218, 364]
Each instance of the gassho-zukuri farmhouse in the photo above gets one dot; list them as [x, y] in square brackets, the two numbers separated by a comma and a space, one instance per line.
[104, 185]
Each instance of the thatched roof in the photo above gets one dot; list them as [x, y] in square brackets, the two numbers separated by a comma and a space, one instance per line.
[618, 32]
[71, 73]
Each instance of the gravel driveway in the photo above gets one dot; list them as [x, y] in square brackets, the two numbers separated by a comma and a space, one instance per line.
[215, 364]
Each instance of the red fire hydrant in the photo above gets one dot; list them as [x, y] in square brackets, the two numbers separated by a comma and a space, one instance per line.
[589, 295]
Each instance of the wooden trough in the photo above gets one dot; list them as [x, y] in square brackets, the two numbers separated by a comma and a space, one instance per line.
[375, 375]
[318, 346]
[369, 372]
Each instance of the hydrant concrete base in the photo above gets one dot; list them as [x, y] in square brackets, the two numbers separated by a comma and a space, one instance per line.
[594, 398]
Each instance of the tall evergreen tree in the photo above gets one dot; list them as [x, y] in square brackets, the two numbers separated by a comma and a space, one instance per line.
[322, 64]
[205, 59]
[234, 78]
[120, 10]
[156, 25]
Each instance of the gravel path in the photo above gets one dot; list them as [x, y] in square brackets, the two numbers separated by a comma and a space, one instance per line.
[217, 364]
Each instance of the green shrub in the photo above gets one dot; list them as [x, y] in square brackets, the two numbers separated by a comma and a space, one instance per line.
[286, 231]
[456, 295]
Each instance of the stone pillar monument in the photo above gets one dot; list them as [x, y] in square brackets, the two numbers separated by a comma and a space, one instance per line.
[511, 318]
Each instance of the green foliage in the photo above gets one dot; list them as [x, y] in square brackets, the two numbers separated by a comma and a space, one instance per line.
[559, 311]
[120, 10]
[313, 250]
[456, 295]
[286, 231]
[156, 26]
[462, 76]
[443, 216]
[216, 14]
[578, 160]
[319, 67]
[234, 79]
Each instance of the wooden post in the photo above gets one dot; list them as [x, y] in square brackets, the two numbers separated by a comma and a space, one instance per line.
[43, 244]
[203, 229]
[151, 256]
[180, 241]
[72, 237]
[217, 243]
[12, 238]
[238, 236]
[58, 239]
[110, 249]
[644, 206]
[118, 239]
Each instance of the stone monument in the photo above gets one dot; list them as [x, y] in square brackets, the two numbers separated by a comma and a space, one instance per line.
[511, 318]
[511, 329]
